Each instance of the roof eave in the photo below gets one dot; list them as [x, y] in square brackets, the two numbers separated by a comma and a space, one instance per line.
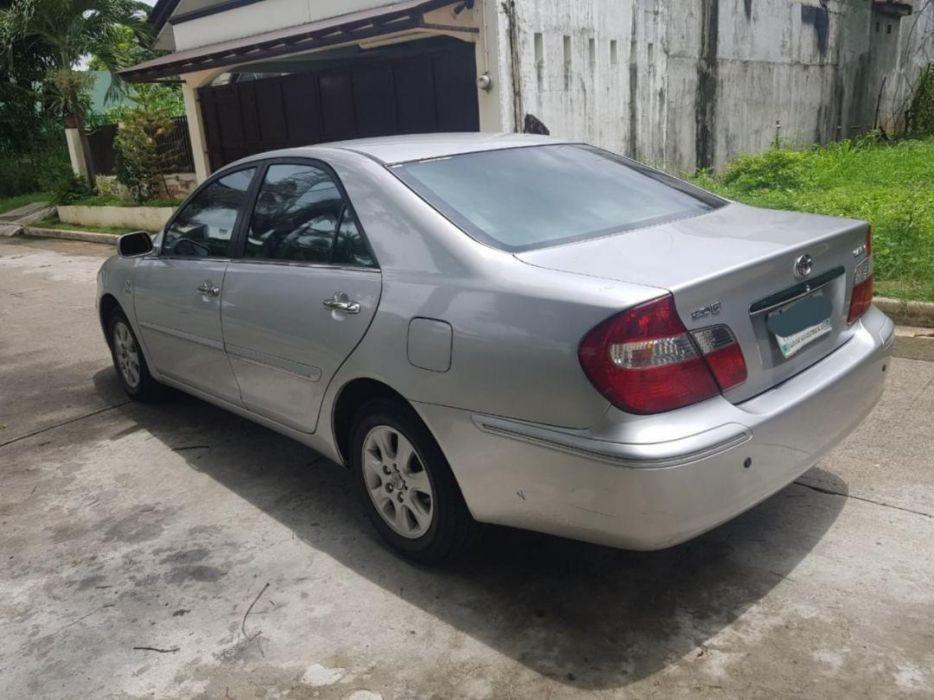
[344, 29]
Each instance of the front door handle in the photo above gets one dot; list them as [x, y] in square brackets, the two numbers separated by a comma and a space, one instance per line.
[340, 302]
[207, 287]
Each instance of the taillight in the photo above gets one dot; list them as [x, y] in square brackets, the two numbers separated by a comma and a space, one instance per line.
[723, 355]
[861, 297]
[645, 361]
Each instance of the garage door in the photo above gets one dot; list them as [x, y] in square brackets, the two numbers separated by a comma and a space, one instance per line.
[426, 92]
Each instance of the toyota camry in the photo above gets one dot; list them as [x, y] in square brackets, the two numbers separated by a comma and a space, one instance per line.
[508, 329]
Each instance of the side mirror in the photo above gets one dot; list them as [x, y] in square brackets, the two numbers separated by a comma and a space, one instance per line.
[131, 245]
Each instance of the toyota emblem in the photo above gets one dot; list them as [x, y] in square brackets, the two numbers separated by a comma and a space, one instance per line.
[804, 266]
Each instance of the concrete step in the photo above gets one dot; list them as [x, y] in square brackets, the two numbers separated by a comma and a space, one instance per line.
[28, 211]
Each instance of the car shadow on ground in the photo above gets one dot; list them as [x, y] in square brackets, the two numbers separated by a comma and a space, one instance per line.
[587, 616]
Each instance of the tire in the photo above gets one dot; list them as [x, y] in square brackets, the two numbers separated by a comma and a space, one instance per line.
[129, 362]
[413, 502]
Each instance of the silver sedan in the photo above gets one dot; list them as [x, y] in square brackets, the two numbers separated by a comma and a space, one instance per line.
[508, 329]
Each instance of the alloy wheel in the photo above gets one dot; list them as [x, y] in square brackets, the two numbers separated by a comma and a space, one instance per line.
[126, 354]
[397, 482]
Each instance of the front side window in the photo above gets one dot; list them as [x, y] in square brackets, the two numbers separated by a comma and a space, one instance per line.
[204, 228]
[523, 198]
[301, 215]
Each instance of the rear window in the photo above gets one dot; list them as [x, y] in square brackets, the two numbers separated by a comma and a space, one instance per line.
[530, 197]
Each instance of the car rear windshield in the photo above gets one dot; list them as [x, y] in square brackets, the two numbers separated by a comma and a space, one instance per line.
[536, 196]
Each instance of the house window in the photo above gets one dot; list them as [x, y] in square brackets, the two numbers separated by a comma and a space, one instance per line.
[614, 53]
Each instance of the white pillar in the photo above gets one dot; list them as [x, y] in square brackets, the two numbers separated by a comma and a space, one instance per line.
[79, 164]
[199, 152]
[495, 104]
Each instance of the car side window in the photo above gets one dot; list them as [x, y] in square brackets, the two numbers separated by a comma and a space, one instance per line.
[204, 228]
[301, 215]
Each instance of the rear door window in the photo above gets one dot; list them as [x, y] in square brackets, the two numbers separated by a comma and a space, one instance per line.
[301, 216]
[523, 198]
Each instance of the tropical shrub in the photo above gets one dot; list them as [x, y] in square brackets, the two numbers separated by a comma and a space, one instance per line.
[141, 159]
[70, 189]
[776, 169]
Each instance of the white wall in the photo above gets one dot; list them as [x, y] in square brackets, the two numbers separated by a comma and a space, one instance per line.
[260, 17]
[795, 63]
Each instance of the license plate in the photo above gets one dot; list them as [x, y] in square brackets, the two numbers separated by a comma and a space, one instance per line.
[800, 323]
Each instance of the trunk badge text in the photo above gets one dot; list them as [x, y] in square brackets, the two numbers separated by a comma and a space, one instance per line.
[803, 266]
[704, 311]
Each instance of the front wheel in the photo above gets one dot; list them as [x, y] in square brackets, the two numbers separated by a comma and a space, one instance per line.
[406, 485]
[129, 362]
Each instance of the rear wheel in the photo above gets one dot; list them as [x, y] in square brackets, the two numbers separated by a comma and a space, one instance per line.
[132, 370]
[406, 485]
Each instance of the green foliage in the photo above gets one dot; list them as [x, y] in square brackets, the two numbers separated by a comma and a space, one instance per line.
[54, 175]
[70, 30]
[776, 169]
[31, 136]
[889, 184]
[141, 158]
[16, 180]
[42, 43]
[24, 118]
[70, 189]
[113, 201]
[920, 117]
[36, 171]
[150, 96]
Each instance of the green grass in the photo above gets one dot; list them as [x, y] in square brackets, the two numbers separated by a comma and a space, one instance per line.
[889, 184]
[54, 223]
[10, 203]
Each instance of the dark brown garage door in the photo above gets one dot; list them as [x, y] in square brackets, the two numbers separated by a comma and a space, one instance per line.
[426, 92]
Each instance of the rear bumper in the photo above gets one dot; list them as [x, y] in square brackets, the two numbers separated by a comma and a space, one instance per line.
[689, 471]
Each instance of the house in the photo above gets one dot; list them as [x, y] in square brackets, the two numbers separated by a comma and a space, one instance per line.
[682, 83]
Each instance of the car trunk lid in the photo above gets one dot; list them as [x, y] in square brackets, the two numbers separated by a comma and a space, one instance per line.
[736, 266]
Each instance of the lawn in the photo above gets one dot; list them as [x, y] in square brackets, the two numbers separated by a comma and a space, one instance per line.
[889, 184]
[11, 203]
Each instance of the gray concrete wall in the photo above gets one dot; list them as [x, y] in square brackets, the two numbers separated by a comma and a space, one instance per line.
[900, 56]
[693, 83]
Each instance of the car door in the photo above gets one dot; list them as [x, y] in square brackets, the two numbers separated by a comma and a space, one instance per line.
[301, 295]
[178, 292]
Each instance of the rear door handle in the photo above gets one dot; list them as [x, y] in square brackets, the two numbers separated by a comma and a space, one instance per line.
[340, 302]
[207, 287]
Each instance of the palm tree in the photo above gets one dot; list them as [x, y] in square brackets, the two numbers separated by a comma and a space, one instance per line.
[71, 31]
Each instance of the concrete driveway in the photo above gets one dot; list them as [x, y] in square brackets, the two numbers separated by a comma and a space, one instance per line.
[177, 550]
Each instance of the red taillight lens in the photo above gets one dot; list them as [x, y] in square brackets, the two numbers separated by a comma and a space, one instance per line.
[723, 355]
[861, 300]
[861, 297]
[645, 361]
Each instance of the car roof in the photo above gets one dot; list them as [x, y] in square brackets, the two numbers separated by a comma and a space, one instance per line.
[399, 149]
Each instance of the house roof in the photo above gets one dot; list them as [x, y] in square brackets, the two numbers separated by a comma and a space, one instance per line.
[342, 29]
[160, 13]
